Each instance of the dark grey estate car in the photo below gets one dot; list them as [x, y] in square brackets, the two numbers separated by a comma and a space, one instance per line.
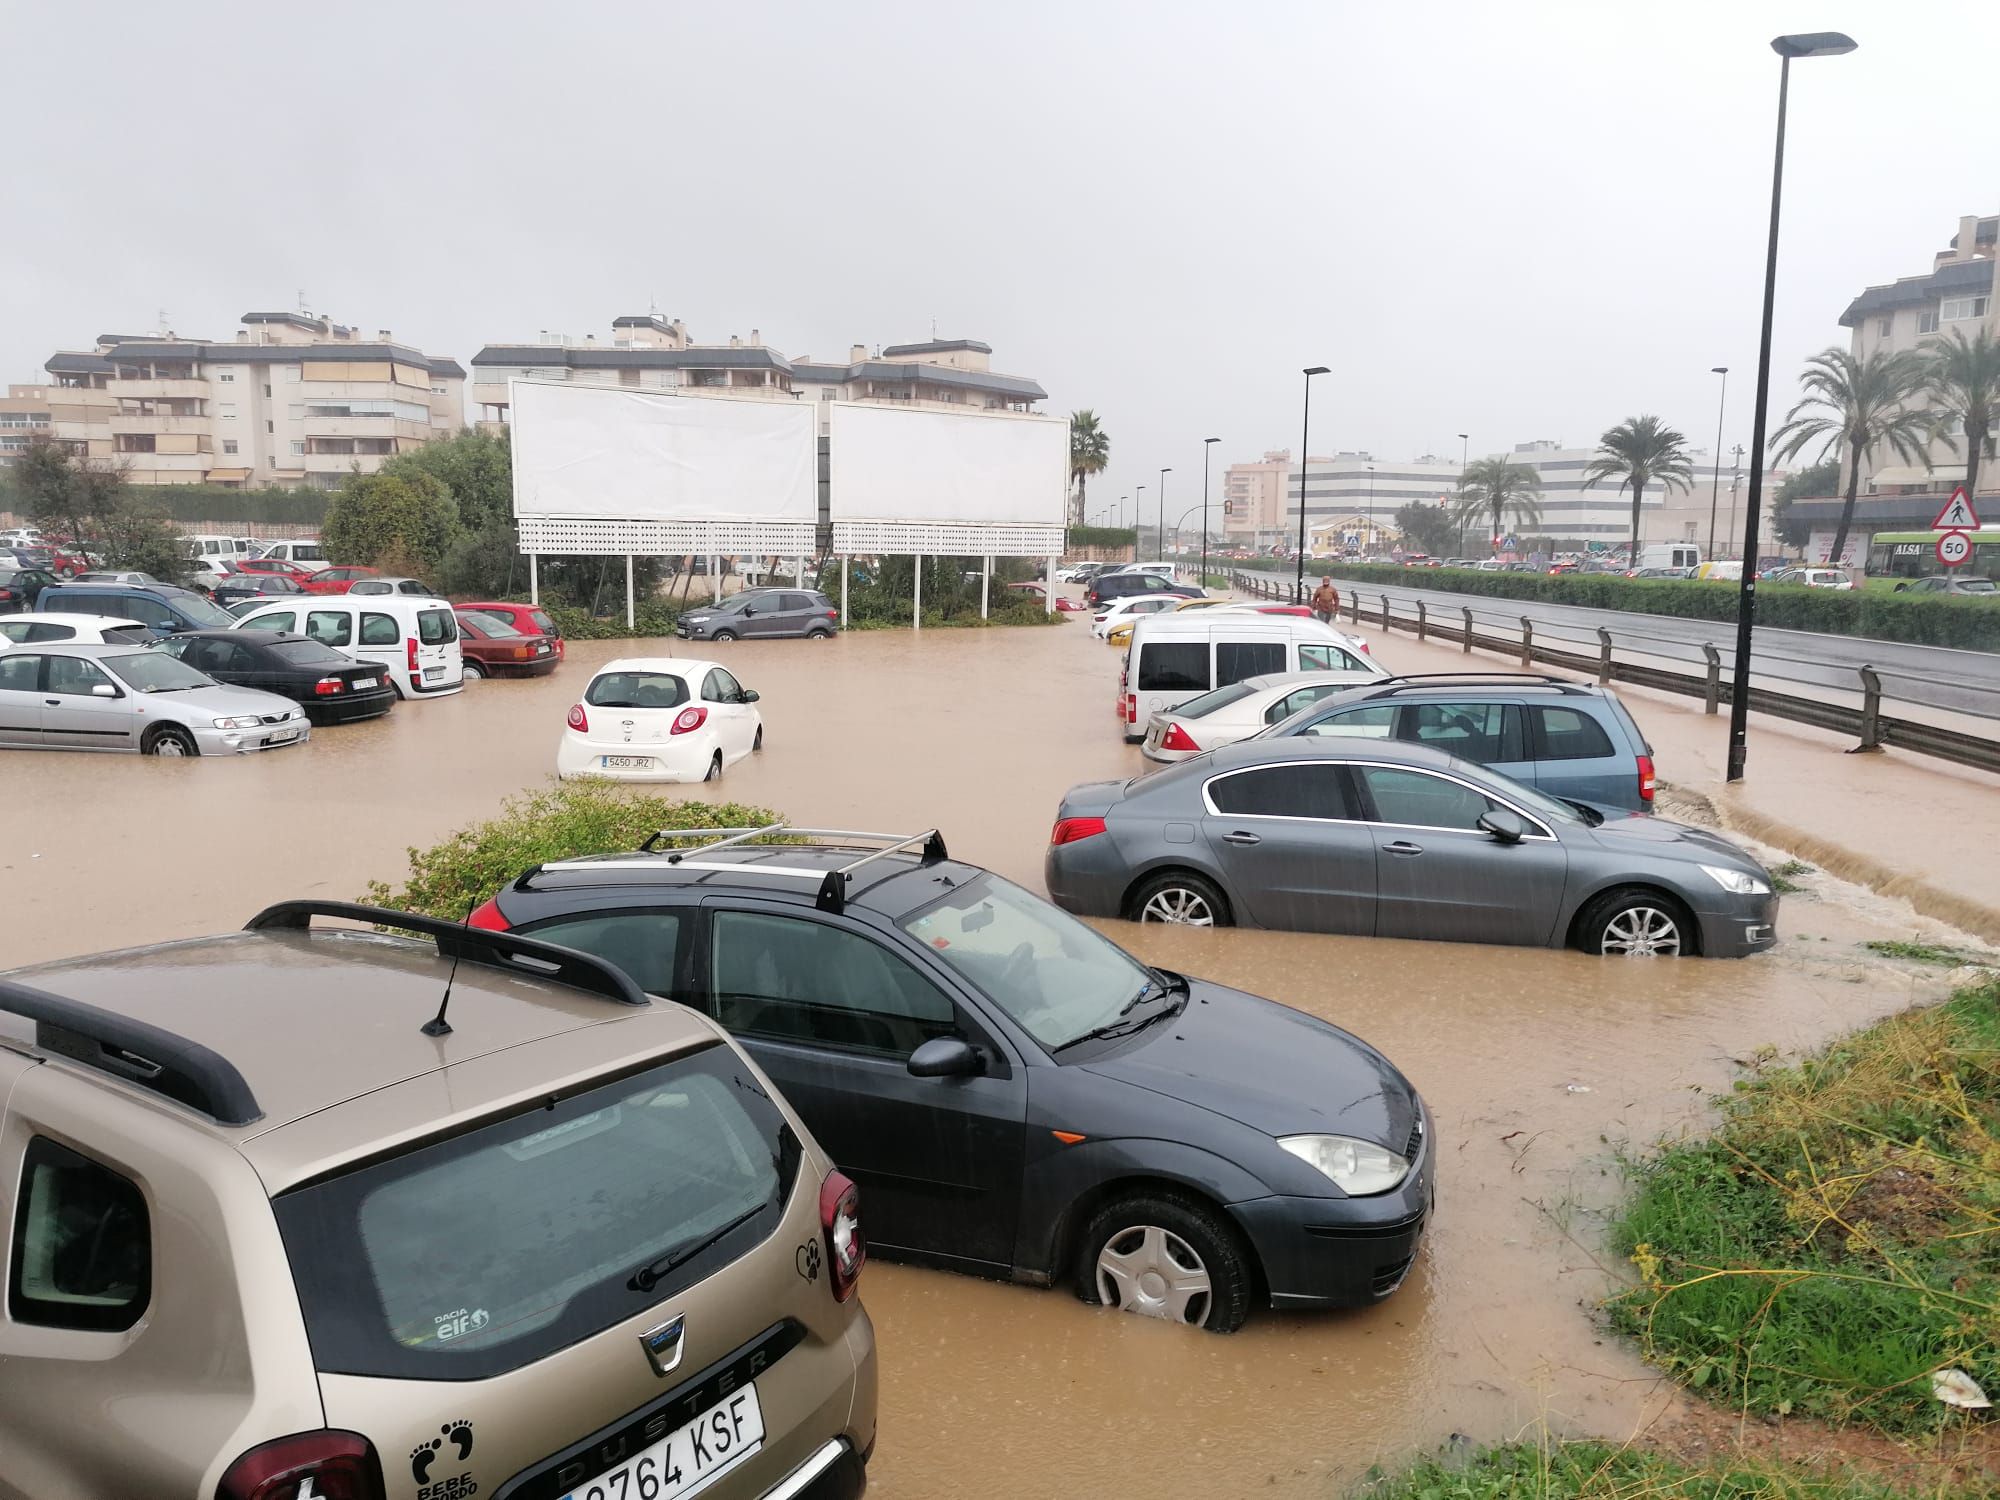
[1384, 838]
[762, 612]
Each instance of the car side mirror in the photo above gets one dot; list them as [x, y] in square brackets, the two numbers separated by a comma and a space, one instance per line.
[750, 695]
[103, 690]
[946, 1057]
[748, 612]
[1505, 825]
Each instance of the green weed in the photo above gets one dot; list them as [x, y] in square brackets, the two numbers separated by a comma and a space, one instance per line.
[1594, 1471]
[1920, 953]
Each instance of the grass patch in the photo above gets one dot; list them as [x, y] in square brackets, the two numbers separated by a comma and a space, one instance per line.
[1920, 953]
[1783, 879]
[1838, 1238]
[1593, 1471]
[561, 821]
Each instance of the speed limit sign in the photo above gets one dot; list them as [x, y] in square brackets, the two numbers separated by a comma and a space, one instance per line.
[1953, 548]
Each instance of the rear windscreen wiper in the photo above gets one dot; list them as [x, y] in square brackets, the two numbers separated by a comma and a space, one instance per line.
[653, 1272]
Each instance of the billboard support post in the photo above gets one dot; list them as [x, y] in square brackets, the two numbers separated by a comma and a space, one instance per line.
[534, 580]
[916, 593]
[631, 612]
[985, 584]
[1049, 586]
[843, 591]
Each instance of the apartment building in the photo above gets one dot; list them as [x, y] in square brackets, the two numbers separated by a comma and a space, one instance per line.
[24, 415]
[292, 400]
[1254, 498]
[651, 353]
[1959, 292]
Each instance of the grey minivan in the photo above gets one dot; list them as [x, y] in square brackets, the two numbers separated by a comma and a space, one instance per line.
[1566, 739]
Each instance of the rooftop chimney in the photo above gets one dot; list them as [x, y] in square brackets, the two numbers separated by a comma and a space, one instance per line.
[756, 339]
[735, 342]
[856, 353]
[382, 333]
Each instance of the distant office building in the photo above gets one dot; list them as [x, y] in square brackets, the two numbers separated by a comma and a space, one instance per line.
[650, 353]
[24, 416]
[292, 400]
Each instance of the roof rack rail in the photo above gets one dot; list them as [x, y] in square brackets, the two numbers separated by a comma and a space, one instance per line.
[717, 838]
[476, 945]
[833, 889]
[1402, 680]
[154, 1059]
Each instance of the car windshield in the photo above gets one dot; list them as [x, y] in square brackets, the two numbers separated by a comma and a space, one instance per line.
[208, 616]
[155, 672]
[1208, 703]
[636, 690]
[1541, 804]
[1058, 979]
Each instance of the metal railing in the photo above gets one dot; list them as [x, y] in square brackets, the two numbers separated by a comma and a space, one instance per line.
[1514, 635]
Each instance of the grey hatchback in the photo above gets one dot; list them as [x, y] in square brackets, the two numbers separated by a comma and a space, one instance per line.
[762, 612]
[1568, 739]
[1385, 839]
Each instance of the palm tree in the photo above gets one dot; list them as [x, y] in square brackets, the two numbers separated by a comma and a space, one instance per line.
[1962, 376]
[1863, 404]
[1089, 452]
[1493, 488]
[1636, 452]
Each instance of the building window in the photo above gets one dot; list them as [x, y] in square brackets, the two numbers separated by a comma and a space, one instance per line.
[438, 390]
[1927, 320]
[270, 427]
[227, 411]
[1958, 309]
[267, 391]
[229, 445]
[1882, 326]
[226, 378]
[298, 446]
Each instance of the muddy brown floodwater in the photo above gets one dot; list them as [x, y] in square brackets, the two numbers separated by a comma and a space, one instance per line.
[1538, 1066]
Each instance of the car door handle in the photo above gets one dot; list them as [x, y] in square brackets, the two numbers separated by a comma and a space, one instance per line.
[1240, 837]
[53, 702]
[1402, 846]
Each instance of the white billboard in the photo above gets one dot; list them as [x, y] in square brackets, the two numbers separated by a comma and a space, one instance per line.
[889, 464]
[603, 453]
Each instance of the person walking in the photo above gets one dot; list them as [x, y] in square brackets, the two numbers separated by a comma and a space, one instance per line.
[1325, 601]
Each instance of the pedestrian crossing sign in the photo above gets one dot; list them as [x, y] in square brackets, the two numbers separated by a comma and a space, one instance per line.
[1957, 515]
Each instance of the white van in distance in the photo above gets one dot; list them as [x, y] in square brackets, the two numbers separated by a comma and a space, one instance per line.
[414, 641]
[1181, 655]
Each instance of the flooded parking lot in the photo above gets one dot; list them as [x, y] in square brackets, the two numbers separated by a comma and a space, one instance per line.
[1538, 1066]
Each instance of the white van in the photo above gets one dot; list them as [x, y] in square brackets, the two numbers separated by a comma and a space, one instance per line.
[1157, 569]
[217, 550]
[1181, 655]
[306, 552]
[414, 641]
[1667, 555]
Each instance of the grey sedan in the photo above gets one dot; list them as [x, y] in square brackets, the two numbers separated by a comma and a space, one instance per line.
[1387, 839]
[76, 697]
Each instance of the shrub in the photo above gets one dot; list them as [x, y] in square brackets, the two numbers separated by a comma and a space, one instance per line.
[560, 821]
[654, 617]
[1598, 1471]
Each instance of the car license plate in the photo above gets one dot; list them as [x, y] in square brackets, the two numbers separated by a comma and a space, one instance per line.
[363, 682]
[542, 649]
[627, 762]
[282, 737]
[433, 672]
[689, 1457]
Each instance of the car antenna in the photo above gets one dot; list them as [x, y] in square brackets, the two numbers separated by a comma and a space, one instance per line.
[437, 1025]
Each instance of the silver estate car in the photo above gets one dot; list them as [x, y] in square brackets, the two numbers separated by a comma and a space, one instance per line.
[67, 696]
[1387, 839]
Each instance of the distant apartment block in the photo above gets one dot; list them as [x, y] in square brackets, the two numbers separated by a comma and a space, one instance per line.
[651, 353]
[292, 400]
[24, 416]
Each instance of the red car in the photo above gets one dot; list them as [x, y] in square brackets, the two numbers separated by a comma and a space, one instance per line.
[494, 648]
[282, 567]
[1064, 603]
[334, 580]
[529, 619]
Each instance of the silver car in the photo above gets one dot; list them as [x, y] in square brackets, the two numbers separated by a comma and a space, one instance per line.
[65, 696]
[1387, 839]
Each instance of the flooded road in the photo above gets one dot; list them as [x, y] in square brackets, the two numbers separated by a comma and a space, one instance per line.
[1538, 1066]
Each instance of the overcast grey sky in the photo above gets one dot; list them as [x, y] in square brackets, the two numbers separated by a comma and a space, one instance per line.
[1519, 221]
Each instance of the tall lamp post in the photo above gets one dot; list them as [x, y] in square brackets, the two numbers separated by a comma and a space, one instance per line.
[1464, 457]
[1161, 553]
[1803, 44]
[1138, 509]
[1715, 474]
[1305, 459]
[1206, 445]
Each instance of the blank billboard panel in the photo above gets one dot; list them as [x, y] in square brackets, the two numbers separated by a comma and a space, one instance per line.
[640, 456]
[890, 464]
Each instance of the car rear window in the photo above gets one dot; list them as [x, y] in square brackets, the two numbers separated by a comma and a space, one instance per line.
[1173, 667]
[473, 1255]
[544, 624]
[1208, 703]
[494, 625]
[436, 627]
[636, 690]
[1570, 734]
[310, 654]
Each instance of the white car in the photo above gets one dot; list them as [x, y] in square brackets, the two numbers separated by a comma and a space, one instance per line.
[660, 718]
[84, 630]
[1131, 607]
[1244, 708]
[1815, 578]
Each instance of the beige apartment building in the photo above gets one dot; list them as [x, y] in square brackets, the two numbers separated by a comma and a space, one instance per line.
[651, 353]
[292, 400]
[24, 415]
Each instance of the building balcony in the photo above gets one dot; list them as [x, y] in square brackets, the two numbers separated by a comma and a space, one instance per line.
[363, 427]
[336, 463]
[157, 422]
[149, 390]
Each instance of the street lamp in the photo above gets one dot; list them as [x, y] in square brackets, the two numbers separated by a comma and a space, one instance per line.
[1464, 457]
[1138, 506]
[1305, 459]
[1715, 474]
[1163, 514]
[1804, 44]
[1206, 445]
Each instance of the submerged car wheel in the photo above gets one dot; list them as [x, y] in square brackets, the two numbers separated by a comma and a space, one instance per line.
[169, 741]
[1182, 898]
[714, 768]
[473, 670]
[1636, 924]
[1169, 1258]
[758, 743]
[723, 635]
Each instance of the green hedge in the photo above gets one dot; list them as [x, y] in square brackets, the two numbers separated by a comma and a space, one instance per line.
[1103, 536]
[1969, 624]
[247, 508]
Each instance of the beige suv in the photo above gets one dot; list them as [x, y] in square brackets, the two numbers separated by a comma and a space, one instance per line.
[318, 1213]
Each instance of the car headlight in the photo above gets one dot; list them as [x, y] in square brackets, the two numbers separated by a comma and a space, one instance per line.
[250, 723]
[1739, 882]
[1359, 1167]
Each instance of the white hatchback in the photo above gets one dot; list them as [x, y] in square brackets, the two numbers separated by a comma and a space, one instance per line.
[1132, 607]
[660, 718]
[83, 630]
[1245, 708]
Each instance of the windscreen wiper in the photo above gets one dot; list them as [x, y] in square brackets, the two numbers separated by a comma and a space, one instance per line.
[653, 1272]
[1119, 1025]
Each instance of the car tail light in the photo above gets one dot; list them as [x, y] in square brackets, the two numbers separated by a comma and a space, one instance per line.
[326, 687]
[688, 720]
[1177, 738]
[578, 719]
[846, 1247]
[488, 917]
[1646, 782]
[1069, 830]
[831, 614]
[1131, 708]
[328, 1465]
[410, 646]
[522, 653]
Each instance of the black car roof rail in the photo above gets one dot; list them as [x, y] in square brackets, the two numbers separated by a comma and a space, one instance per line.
[473, 945]
[148, 1056]
[833, 890]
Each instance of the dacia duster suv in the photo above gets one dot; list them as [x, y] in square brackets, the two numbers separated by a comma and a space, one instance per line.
[280, 1223]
